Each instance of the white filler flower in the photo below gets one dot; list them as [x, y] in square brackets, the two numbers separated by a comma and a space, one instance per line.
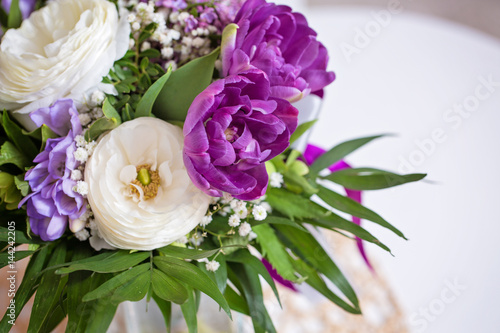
[61, 51]
[139, 190]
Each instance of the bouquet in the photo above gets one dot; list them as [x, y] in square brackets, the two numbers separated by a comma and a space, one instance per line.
[147, 152]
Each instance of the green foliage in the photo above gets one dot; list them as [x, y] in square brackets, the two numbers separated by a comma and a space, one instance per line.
[365, 179]
[183, 86]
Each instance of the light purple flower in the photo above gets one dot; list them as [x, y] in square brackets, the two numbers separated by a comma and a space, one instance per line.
[26, 6]
[61, 117]
[52, 201]
[279, 42]
[172, 4]
[231, 129]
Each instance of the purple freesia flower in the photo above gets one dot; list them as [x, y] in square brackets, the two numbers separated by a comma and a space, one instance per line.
[231, 129]
[26, 6]
[272, 38]
[61, 117]
[52, 201]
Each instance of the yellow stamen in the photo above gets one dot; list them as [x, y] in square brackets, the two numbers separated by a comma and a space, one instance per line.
[148, 180]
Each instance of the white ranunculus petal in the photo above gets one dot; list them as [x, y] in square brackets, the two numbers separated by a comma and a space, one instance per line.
[61, 51]
[122, 219]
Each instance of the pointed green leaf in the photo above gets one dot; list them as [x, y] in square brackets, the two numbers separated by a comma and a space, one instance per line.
[10, 154]
[301, 129]
[185, 253]
[27, 287]
[99, 127]
[306, 247]
[315, 281]
[244, 257]
[130, 285]
[272, 219]
[6, 258]
[184, 85]
[364, 179]
[166, 310]
[236, 302]
[15, 17]
[293, 205]
[339, 152]
[118, 261]
[192, 276]
[274, 251]
[145, 105]
[168, 288]
[110, 112]
[15, 134]
[46, 295]
[252, 289]
[335, 223]
[189, 310]
[349, 206]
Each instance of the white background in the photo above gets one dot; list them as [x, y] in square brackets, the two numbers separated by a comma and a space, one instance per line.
[406, 79]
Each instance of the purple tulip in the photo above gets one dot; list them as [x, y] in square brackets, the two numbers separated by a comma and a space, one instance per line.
[231, 129]
[279, 42]
[52, 201]
[26, 6]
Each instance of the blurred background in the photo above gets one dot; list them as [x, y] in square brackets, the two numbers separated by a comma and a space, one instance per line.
[429, 72]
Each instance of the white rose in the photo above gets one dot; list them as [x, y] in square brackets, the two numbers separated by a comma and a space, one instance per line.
[61, 51]
[124, 217]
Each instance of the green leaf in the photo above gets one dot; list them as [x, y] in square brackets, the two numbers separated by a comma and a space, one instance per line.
[15, 134]
[189, 310]
[274, 251]
[301, 129]
[16, 236]
[184, 85]
[339, 152]
[27, 287]
[150, 53]
[335, 223]
[185, 253]
[6, 258]
[235, 301]
[47, 295]
[110, 112]
[192, 276]
[306, 247]
[15, 17]
[130, 285]
[364, 179]
[293, 205]
[22, 185]
[116, 262]
[244, 257]
[252, 289]
[349, 206]
[272, 219]
[168, 288]
[166, 310]
[221, 273]
[315, 281]
[46, 133]
[93, 316]
[4, 18]
[99, 127]
[145, 105]
[10, 154]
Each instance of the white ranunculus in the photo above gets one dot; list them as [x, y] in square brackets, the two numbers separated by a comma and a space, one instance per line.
[124, 219]
[61, 51]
